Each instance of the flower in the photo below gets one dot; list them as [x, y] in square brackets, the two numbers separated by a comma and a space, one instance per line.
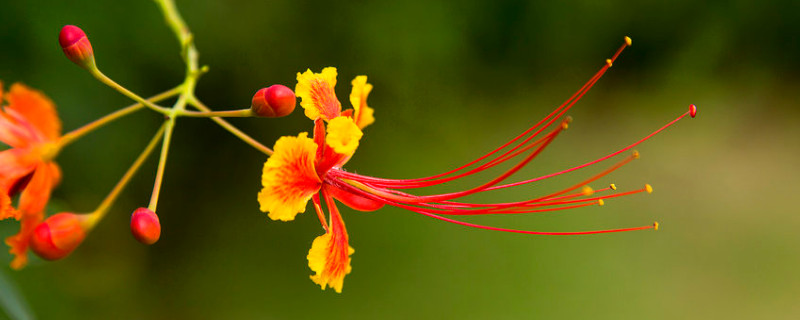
[303, 169]
[30, 126]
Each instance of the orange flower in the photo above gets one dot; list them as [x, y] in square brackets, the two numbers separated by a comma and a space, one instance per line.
[30, 126]
[303, 168]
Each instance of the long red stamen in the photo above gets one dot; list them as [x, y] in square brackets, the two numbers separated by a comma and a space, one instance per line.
[402, 184]
[435, 216]
[596, 160]
[517, 167]
[526, 144]
[550, 119]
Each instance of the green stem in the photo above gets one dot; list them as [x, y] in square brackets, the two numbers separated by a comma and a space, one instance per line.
[102, 209]
[77, 133]
[189, 51]
[111, 83]
[235, 131]
[242, 113]
[162, 163]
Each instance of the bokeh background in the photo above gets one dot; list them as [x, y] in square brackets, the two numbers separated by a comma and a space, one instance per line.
[452, 80]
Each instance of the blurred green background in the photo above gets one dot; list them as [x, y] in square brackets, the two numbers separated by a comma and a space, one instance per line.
[452, 80]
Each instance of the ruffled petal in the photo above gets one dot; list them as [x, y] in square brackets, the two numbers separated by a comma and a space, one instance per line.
[289, 178]
[36, 194]
[343, 135]
[36, 108]
[316, 91]
[329, 256]
[20, 242]
[6, 210]
[363, 114]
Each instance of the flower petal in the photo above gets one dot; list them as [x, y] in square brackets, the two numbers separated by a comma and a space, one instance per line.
[289, 178]
[317, 95]
[36, 194]
[329, 256]
[14, 165]
[16, 131]
[358, 97]
[19, 242]
[6, 210]
[36, 108]
[343, 135]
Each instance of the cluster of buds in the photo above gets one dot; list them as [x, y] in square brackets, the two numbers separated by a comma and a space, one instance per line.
[35, 136]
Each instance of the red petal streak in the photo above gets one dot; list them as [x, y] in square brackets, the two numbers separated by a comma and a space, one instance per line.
[320, 213]
[353, 200]
[326, 158]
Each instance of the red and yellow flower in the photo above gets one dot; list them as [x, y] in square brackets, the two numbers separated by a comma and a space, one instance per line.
[304, 168]
[298, 170]
[30, 126]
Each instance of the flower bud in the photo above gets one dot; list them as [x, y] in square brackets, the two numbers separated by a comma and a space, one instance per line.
[274, 101]
[145, 226]
[77, 46]
[58, 235]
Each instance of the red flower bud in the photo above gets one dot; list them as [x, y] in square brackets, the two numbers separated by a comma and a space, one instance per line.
[273, 102]
[145, 226]
[77, 46]
[58, 236]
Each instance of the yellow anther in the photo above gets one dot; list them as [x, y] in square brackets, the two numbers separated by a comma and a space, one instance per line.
[608, 62]
[655, 226]
[628, 41]
[635, 154]
[613, 186]
[587, 190]
[648, 188]
[600, 202]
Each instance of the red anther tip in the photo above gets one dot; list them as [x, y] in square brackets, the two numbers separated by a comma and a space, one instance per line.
[145, 226]
[692, 110]
[274, 101]
[58, 236]
[69, 35]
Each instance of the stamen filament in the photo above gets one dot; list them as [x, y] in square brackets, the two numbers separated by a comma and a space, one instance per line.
[596, 160]
[399, 184]
[436, 216]
[558, 112]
